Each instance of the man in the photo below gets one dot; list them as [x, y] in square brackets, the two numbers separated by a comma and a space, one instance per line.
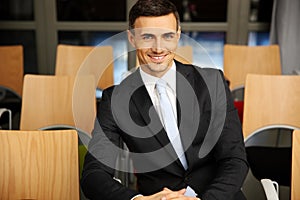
[208, 160]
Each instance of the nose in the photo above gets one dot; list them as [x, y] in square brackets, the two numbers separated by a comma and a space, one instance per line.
[157, 45]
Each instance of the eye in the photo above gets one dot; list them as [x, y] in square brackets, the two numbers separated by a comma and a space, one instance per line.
[147, 37]
[169, 36]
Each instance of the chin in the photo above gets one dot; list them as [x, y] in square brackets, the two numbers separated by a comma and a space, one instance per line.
[158, 66]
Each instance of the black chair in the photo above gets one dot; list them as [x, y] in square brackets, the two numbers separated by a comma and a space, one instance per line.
[11, 101]
[269, 153]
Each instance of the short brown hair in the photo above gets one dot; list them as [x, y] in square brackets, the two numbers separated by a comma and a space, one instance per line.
[152, 8]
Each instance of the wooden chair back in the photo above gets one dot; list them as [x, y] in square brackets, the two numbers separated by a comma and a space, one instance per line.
[240, 60]
[12, 68]
[295, 185]
[184, 54]
[271, 100]
[39, 165]
[57, 101]
[86, 60]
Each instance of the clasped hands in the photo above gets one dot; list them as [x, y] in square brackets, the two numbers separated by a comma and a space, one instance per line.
[167, 194]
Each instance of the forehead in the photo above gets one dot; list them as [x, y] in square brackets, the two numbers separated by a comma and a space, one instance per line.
[160, 22]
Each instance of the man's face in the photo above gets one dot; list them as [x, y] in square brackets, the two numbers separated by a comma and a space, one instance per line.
[155, 40]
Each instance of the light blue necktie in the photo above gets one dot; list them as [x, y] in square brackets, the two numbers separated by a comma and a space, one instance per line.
[172, 128]
[170, 121]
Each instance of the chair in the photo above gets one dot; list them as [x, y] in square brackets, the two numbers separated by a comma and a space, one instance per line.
[58, 101]
[12, 68]
[86, 60]
[271, 190]
[295, 184]
[271, 100]
[184, 54]
[270, 115]
[240, 60]
[5, 110]
[269, 155]
[11, 83]
[39, 165]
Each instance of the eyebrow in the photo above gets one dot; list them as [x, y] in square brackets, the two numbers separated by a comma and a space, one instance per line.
[169, 33]
[164, 34]
[147, 34]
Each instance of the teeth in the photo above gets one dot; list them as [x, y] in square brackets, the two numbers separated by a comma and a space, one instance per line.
[157, 57]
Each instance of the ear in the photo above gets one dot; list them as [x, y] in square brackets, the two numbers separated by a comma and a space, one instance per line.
[131, 38]
[178, 33]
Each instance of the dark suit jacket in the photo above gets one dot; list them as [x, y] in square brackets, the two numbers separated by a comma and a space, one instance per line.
[210, 132]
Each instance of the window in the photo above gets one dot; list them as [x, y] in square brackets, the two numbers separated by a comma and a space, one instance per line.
[16, 10]
[261, 10]
[258, 38]
[202, 11]
[41, 24]
[207, 47]
[27, 39]
[91, 10]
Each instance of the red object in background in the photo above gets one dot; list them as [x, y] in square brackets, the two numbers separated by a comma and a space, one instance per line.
[240, 107]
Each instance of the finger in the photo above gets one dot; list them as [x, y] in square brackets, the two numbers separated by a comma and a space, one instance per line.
[183, 198]
[174, 194]
[162, 194]
[182, 191]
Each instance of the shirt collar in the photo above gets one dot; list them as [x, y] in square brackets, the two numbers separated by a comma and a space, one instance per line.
[169, 77]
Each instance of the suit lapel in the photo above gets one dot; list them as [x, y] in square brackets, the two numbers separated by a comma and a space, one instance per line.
[143, 103]
[187, 109]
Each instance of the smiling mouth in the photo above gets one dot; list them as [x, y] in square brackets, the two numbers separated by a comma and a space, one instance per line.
[157, 59]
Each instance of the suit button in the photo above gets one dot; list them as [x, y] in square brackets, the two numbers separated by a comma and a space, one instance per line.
[187, 179]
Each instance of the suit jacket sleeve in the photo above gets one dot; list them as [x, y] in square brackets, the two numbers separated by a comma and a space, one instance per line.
[97, 178]
[229, 153]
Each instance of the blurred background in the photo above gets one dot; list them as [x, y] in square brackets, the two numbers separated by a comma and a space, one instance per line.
[40, 25]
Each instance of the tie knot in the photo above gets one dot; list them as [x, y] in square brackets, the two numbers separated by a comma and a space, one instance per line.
[161, 86]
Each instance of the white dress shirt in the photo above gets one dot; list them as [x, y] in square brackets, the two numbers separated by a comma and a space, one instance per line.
[170, 78]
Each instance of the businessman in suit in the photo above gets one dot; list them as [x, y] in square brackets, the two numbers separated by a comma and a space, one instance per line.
[208, 159]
